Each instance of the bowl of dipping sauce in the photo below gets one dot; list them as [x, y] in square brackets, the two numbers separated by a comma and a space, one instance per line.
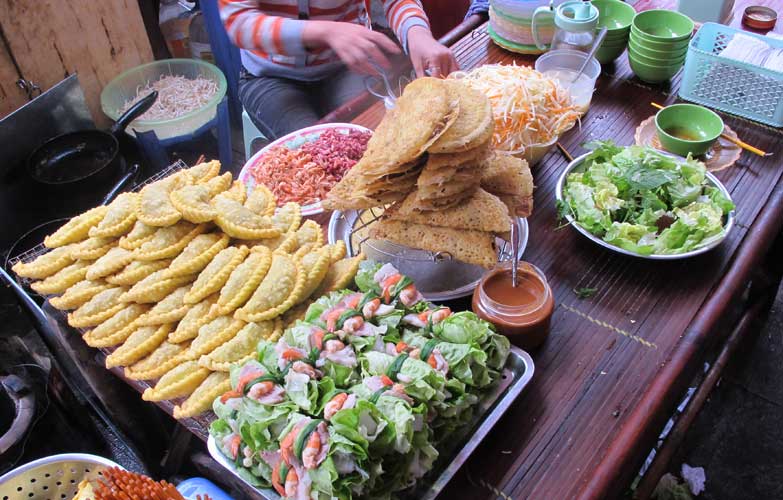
[687, 128]
[522, 313]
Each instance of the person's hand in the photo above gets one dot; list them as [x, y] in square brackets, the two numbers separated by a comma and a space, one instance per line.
[427, 55]
[355, 45]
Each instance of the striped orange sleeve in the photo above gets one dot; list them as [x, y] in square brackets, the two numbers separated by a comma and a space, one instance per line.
[403, 15]
[248, 27]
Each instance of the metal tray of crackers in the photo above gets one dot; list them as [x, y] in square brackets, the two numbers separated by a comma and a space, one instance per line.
[438, 276]
[516, 376]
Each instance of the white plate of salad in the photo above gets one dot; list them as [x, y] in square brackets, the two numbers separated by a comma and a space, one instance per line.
[639, 201]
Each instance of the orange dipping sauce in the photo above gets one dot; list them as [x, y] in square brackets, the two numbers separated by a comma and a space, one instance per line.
[523, 313]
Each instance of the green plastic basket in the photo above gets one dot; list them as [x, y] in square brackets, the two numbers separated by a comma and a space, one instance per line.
[732, 86]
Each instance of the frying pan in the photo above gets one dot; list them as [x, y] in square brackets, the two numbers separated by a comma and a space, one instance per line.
[35, 236]
[86, 159]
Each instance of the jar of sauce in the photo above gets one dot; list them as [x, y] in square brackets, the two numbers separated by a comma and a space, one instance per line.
[522, 313]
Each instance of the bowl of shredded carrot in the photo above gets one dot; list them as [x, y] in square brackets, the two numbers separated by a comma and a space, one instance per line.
[304, 165]
[530, 110]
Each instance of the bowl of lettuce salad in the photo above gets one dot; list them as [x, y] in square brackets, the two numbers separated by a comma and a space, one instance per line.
[359, 398]
[642, 202]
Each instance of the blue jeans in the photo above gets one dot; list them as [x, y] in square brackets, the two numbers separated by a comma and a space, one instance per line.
[279, 106]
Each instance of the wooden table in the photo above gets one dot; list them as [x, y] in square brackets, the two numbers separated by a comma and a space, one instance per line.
[615, 365]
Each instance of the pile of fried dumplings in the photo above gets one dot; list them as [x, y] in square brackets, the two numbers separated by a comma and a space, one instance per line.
[183, 278]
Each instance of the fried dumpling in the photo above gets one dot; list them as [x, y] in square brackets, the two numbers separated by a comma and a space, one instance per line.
[98, 309]
[339, 276]
[214, 276]
[193, 202]
[156, 287]
[137, 271]
[288, 217]
[316, 265]
[158, 362]
[205, 171]
[201, 399]
[198, 254]
[180, 381]
[169, 310]
[261, 201]
[63, 279]
[154, 206]
[46, 264]
[140, 233]
[309, 232]
[117, 328]
[280, 289]
[120, 217]
[196, 317]
[168, 242]
[239, 222]
[242, 282]
[109, 263]
[239, 349]
[138, 345]
[237, 192]
[76, 229]
[92, 248]
[213, 334]
[78, 294]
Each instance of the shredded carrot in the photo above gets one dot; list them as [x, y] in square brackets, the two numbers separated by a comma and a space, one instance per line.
[528, 107]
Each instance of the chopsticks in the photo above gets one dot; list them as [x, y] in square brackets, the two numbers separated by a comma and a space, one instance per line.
[738, 142]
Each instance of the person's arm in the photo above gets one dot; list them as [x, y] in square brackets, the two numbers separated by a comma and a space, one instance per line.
[249, 28]
[410, 24]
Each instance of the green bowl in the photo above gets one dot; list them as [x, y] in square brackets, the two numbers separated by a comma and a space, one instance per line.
[658, 63]
[639, 38]
[617, 35]
[650, 73]
[606, 55]
[663, 25]
[614, 14]
[687, 128]
[657, 54]
[614, 44]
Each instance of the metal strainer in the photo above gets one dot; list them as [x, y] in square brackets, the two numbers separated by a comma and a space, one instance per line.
[52, 478]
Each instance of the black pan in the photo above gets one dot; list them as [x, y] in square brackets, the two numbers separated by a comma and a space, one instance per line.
[86, 159]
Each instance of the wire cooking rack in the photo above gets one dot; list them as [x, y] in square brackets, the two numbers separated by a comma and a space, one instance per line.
[40, 249]
[394, 250]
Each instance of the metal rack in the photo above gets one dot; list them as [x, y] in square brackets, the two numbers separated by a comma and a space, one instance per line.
[502, 244]
[40, 249]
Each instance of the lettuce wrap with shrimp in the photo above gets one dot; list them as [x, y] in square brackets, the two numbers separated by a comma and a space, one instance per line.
[466, 362]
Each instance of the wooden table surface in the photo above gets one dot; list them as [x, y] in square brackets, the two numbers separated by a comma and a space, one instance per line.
[615, 365]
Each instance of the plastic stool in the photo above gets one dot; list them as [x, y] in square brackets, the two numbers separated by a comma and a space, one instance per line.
[200, 486]
[155, 150]
[250, 133]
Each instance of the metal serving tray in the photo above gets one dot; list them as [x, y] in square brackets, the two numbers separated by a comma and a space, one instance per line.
[516, 376]
[727, 226]
[438, 277]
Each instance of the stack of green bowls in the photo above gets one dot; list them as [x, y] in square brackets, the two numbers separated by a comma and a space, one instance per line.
[658, 44]
[616, 16]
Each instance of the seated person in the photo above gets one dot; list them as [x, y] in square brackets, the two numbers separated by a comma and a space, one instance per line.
[304, 58]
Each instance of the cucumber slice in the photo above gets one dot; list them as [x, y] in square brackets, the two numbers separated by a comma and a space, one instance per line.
[283, 472]
[427, 349]
[303, 436]
[400, 285]
[350, 313]
[396, 366]
[377, 394]
[367, 297]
